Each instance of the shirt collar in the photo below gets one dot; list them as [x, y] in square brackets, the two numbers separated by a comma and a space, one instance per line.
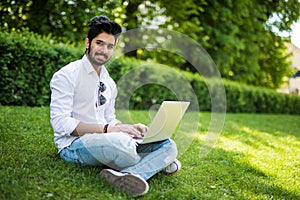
[89, 67]
[87, 64]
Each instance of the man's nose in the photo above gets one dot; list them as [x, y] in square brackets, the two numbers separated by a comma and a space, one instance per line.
[104, 48]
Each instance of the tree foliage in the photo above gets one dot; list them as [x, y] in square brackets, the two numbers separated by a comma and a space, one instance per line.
[66, 20]
[237, 34]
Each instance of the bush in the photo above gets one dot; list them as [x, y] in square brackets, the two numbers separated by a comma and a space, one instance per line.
[151, 88]
[28, 62]
[250, 99]
[142, 84]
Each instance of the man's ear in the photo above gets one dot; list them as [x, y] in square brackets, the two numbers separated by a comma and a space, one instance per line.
[87, 43]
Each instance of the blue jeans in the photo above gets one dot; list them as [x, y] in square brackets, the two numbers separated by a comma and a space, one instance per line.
[120, 152]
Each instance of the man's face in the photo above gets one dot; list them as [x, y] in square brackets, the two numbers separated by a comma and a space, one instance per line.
[101, 48]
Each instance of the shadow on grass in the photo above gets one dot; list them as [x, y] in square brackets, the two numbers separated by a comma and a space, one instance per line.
[277, 125]
[220, 175]
[239, 179]
[31, 169]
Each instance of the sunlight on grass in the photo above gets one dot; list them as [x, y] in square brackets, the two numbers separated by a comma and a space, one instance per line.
[255, 157]
[275, 154]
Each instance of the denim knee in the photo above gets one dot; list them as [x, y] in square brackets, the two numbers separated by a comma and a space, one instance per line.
[127, 150]
[116, 150]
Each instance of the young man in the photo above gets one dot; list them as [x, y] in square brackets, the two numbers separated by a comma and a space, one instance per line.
[85, 126]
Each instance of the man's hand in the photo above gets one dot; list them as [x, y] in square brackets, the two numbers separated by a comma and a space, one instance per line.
[142, 128]
[135, 131]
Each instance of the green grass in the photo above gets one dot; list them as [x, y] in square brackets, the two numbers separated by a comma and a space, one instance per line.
[256, 157]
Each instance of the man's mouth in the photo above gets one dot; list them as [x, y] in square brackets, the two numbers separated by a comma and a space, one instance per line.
[101, 54]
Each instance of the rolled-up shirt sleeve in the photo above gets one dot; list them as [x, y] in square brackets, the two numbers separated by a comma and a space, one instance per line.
[61, 106]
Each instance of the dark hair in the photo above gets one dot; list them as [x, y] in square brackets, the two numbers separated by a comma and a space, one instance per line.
[100, 24]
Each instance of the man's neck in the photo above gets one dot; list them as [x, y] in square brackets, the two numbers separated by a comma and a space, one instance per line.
[98, 69]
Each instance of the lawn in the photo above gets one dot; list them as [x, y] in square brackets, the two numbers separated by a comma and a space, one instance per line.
[256, 157]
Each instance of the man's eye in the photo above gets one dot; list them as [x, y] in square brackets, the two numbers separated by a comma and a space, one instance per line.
[110, 46]
[101, 43]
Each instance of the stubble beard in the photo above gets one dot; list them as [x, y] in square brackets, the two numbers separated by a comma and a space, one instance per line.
[94, 61]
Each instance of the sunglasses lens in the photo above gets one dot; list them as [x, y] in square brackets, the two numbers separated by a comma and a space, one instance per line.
[102, 87]
[102, 100]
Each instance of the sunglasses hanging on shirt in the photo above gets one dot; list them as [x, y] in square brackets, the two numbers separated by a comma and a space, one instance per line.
[101, 99]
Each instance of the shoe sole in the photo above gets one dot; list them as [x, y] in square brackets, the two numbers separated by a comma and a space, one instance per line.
[131, 183]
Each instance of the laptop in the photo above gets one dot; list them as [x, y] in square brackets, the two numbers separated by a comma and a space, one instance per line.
[165, 121]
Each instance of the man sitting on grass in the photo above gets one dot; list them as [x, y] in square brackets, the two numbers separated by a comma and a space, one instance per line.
[85, 126]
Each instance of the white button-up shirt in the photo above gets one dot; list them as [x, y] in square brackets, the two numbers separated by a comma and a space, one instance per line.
[74, 93]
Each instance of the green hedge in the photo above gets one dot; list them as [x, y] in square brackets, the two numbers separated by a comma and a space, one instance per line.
[239, 97]
[28, 62]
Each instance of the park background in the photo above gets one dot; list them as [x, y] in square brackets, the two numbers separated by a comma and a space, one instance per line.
[39, 37]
